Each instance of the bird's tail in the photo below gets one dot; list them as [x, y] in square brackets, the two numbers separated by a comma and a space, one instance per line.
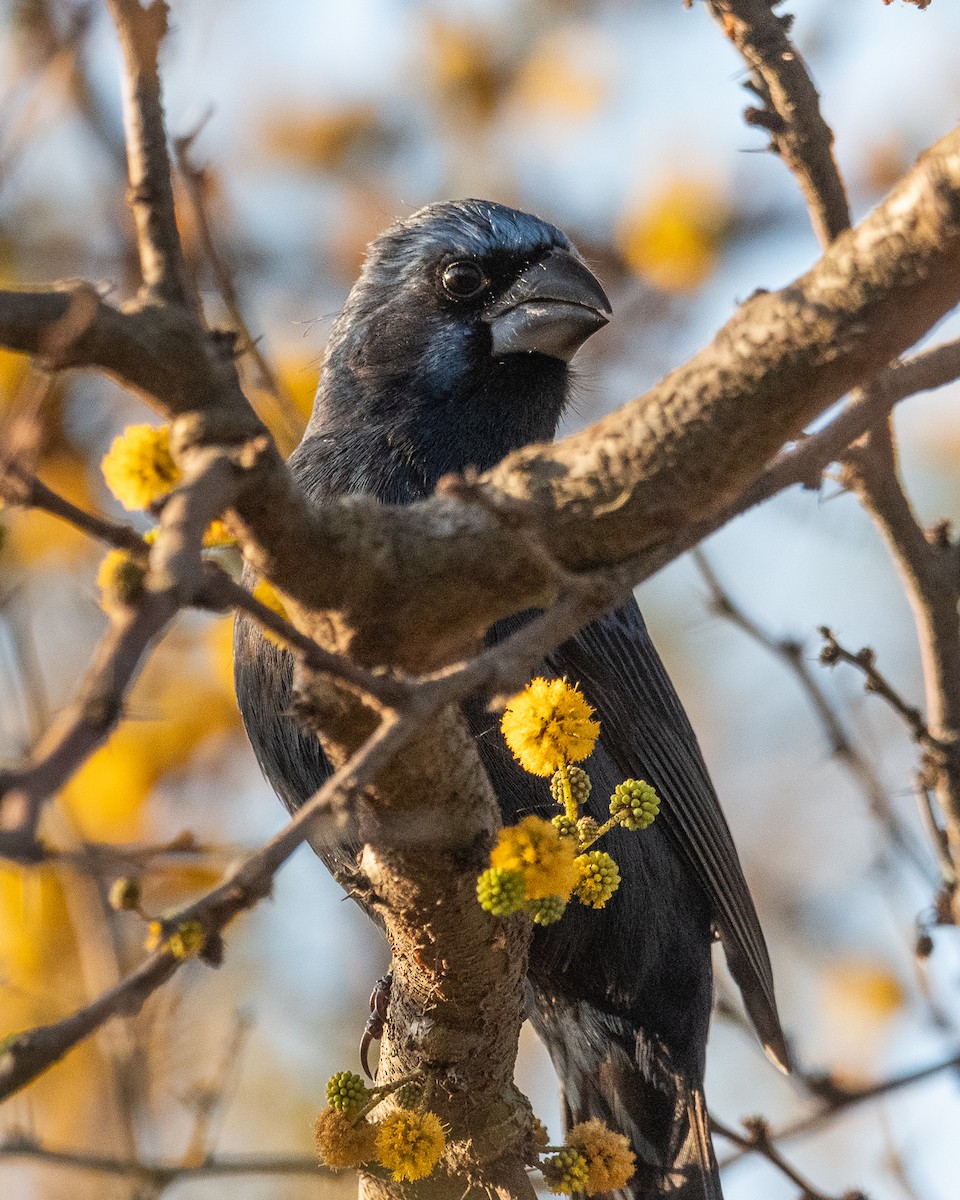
[614, 1072]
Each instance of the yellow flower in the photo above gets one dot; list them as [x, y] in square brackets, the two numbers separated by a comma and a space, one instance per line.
[549, 724]
[186, 940]
[610, 1161]
[265, 593]
[565, 1173]
[120, 579]
[410, 1143]
[535, 849]
[139, 467]
[343, 1142]
[599, 878]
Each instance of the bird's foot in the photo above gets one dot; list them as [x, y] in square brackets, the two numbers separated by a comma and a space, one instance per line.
[373, 1030]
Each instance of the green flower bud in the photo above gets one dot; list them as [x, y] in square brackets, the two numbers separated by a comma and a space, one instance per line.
[346, 1092]
[599, 878]
[501, 891]
[547, 911]
[635, 804]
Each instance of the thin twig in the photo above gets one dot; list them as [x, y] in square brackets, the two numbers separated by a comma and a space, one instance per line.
[836, 1098]
[155, 1172]
[865, 660]
[195, 179]
[929, 566]
[30, 1053]
[790, 652]
[757, 1140]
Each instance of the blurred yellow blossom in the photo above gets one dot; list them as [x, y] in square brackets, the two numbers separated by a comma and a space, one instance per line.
[535, 849]
[298, 379]
[139, 467]
[674, 238]
[858, 990]
[559, 78]
[175, 706]
[325, 139]
[465, 67]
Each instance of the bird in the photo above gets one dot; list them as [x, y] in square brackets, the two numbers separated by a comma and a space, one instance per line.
[453, 349]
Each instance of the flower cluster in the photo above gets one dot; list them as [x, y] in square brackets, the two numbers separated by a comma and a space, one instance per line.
[593, 1160]
[139, 468]
[408, 1142]
[538, 865]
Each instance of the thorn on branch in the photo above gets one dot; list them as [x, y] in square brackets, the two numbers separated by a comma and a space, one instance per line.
[765, 118]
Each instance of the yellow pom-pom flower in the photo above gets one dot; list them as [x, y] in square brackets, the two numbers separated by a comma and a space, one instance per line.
[599, 878]
[610, 1161]
[343, 1141]
[565, 1172]
[547, 725]
[139, 467]
[535, 849]
[410, 1143]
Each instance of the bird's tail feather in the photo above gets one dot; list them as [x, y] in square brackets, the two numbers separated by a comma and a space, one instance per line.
[616, 1073]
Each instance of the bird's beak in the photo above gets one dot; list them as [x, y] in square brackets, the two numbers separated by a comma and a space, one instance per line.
[552, 308]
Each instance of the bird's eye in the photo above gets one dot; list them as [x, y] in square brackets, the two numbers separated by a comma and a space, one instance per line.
[463, 280]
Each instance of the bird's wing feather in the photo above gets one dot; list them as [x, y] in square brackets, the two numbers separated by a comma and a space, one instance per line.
[650, 737]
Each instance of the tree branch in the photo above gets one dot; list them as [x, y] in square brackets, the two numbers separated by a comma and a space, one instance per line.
[790, 109]
[157, 1173]
[790, 651]
[757, 1140]
[141, 32]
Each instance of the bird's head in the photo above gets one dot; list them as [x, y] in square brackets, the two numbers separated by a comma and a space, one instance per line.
[455, 341]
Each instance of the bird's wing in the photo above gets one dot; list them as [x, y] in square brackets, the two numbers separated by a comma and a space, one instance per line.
[648, 734]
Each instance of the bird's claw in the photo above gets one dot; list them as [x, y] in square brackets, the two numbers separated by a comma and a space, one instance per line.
[373, 1030]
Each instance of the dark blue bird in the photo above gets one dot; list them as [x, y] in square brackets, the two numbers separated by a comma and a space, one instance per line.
[452, 350]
